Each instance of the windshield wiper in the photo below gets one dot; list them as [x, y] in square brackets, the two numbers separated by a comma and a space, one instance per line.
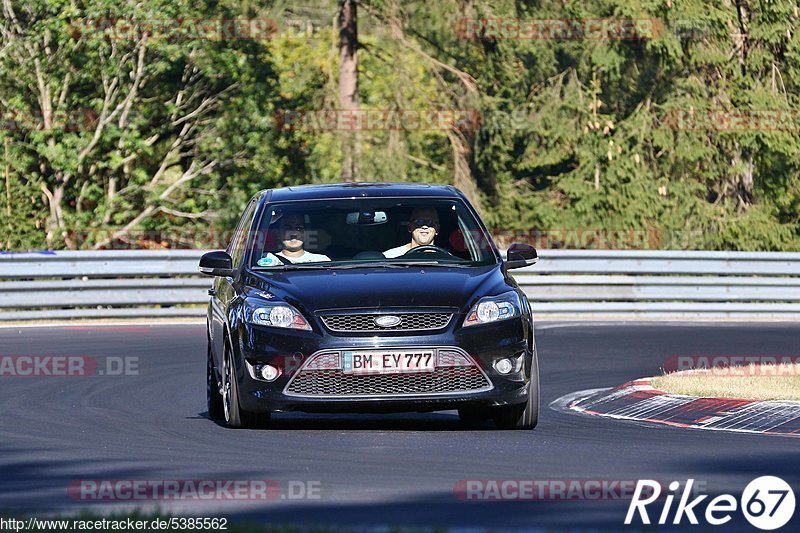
[347, 266]
[429, 263]
[324, 266]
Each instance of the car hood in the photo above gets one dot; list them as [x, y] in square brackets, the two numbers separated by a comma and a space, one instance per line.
[376, 288]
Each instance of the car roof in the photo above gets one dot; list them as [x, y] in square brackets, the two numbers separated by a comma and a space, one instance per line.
[360, 190]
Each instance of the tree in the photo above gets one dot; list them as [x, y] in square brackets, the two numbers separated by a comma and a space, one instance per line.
[130, 127]
[348, 78]
[583, 132]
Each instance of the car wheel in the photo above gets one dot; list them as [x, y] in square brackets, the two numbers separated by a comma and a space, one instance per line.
[216, 411]
[526, 415]
[235, 416]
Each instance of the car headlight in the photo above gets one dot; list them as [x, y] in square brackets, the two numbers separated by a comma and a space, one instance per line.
[276, 315]
[494, 309]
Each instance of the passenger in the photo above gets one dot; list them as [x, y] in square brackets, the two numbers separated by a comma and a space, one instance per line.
[292, 232]
[423, 226]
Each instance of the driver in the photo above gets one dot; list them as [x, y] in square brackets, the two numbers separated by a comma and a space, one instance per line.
[423, 226]
[292, 232]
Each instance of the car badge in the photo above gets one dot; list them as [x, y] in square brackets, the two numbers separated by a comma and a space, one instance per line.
[387, 321]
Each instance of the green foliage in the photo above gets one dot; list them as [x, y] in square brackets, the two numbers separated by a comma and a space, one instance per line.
[574, 134]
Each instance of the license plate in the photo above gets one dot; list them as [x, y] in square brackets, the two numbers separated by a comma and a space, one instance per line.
[389, 362]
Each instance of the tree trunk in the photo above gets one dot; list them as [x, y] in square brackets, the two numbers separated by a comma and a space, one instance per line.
[463, 179]
[744, 184]
[6, 142]
[348, 79]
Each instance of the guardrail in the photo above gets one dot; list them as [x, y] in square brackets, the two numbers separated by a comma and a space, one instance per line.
[106, 284]
[662, 284]
[565, 283]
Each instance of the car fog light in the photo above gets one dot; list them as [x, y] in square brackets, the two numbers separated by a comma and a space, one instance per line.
[269, 373]
[504, 366]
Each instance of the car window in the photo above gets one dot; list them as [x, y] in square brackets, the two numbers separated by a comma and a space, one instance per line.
[351, 232]
[239, 242]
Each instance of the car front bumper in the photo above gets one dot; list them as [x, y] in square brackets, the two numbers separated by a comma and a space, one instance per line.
[291, 350]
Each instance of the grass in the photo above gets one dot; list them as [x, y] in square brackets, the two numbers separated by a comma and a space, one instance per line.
[753, 381]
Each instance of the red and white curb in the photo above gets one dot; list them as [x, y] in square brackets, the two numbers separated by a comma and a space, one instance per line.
[639, 401]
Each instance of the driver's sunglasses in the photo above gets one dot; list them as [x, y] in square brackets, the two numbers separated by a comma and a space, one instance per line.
[295, 227]
[419, 222]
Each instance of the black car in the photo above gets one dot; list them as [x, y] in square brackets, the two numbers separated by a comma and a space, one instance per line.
[368, 297]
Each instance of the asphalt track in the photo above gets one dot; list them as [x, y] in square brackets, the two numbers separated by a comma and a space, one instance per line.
[393, 470]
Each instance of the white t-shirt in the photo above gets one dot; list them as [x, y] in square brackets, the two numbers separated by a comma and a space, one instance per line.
[307, 257]
[396, 252]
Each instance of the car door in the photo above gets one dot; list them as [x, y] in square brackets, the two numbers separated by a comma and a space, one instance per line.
[226, 288]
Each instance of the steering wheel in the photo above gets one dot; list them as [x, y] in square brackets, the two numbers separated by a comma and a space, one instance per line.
[426, 248]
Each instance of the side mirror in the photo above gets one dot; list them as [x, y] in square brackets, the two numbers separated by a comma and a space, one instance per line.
[521, 255]
[217, 264]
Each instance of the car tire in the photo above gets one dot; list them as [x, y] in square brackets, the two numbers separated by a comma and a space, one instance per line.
[526, 415]
[216, 411]
[235, 416]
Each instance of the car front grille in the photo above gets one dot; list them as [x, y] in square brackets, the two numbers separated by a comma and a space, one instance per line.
[365, 322]
[320, 380]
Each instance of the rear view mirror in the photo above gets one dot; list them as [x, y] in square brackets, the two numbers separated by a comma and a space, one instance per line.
[367, 217]
[521, 255]
[217, 264]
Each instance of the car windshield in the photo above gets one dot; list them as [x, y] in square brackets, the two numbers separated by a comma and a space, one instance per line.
[350, 233]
